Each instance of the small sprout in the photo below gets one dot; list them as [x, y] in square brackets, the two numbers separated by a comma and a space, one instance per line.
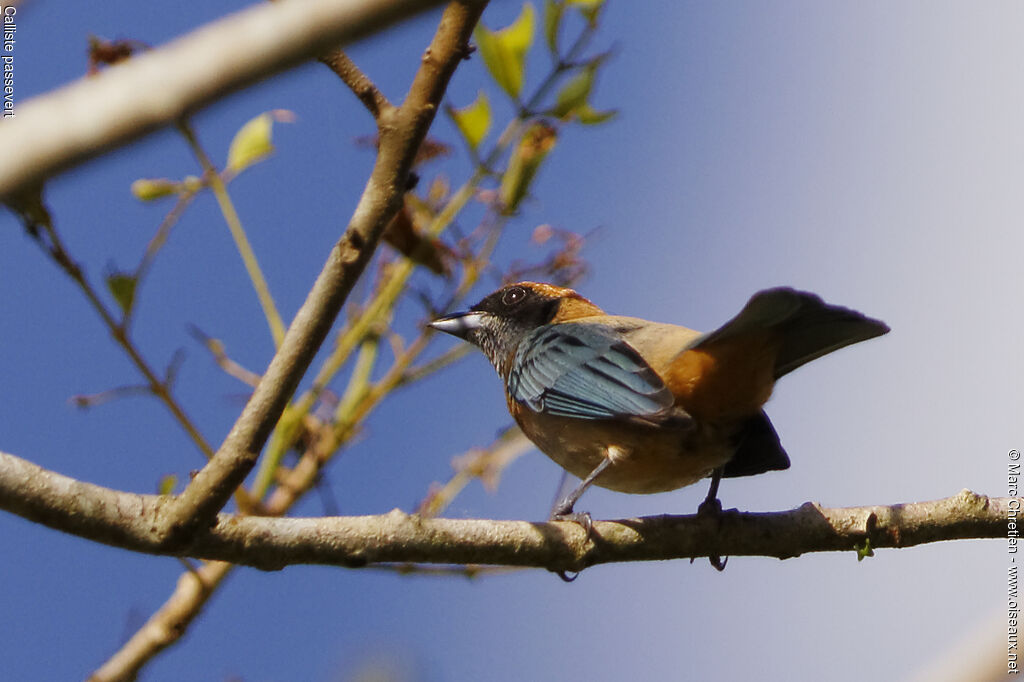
[167, 484]
[148, 189]
[122, 288]
[191, 184]
[864, 549]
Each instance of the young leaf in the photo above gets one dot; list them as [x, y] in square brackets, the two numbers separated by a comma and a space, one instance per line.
[533, 147]
[588, 8]
[574, 94]
[167, 484]
[553, 12]
[122, 288]
[504, 51]
[252, 142]
[588, 115]
[474, 120]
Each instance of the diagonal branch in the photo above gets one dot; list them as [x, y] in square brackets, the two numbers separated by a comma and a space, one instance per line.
[164, 628]
[157, 88]
[402, 131]
[123, 520]
[364, 88]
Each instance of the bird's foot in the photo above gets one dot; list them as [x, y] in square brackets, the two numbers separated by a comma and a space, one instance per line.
[711, 508]
[582, 518]
[564, 512]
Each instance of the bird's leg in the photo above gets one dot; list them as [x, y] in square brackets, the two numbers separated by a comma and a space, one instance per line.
[712, 506]
[563, 510]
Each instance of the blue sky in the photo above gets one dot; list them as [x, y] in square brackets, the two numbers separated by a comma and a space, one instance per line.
[870, 152]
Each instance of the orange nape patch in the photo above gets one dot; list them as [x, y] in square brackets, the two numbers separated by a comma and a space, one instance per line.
[572, 306]
[726, 379]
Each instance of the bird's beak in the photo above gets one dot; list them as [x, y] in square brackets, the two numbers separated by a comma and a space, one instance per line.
[459, 324]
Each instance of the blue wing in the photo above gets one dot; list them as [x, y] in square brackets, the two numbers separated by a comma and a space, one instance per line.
[585, 371]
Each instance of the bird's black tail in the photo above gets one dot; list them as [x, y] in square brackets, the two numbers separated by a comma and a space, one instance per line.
[807, 326]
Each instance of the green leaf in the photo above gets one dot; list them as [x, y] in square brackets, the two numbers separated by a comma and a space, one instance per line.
[252, 143]
[553, 12]
[504, 51]
[588, 115]
[474, 120]
[589, 9]
[535, 144]
[122, 287]
[574, 94]
[148, 189]
[572, 100]
[864, 550]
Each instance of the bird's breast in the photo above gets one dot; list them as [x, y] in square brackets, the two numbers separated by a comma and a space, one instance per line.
[646, 457]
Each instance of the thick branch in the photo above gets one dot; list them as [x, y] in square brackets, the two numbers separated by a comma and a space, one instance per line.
[401, 132]
[126, 520]
[157, 88]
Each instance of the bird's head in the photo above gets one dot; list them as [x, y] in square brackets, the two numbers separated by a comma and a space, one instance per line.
[499, 322]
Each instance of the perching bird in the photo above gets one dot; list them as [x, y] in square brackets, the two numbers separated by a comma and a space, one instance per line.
[646, 407]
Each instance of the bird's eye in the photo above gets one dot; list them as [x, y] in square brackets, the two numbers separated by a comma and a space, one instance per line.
[513, 296]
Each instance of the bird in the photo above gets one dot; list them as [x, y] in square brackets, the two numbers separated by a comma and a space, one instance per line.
[643, 407]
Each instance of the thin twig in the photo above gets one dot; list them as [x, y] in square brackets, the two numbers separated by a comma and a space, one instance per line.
[60, 255]
[340, 63]
[155, 244]
[234, 223]
[220, 356]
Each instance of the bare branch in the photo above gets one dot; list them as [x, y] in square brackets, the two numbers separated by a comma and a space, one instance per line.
[157, 88]
[399, 537]
[402, 131]
[125, 520]
[220, 356]
[166, 625]
[339, 62]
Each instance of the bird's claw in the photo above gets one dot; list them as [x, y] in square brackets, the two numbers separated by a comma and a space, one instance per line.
[565, 577]
[712, 508]
[582, 518]
[564, 512]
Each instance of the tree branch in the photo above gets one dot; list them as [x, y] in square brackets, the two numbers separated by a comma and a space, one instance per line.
[125, 520]
[402, 131]
[157, 88]
[364, 88]
[166, 625]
